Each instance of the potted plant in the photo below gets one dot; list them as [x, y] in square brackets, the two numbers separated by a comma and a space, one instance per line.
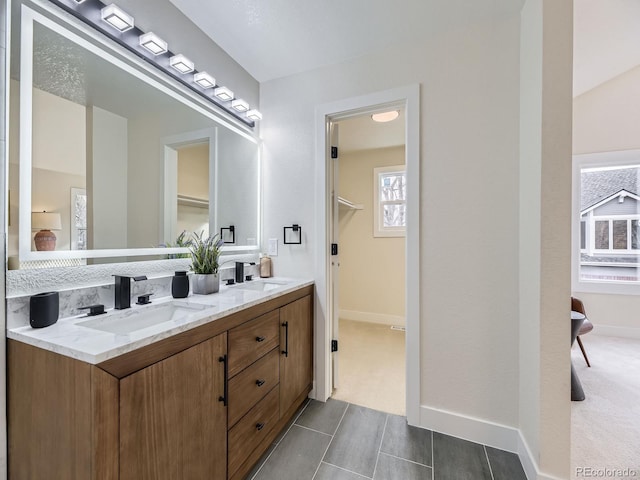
[205, 253]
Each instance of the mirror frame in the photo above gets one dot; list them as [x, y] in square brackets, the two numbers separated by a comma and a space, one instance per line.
[126, 61]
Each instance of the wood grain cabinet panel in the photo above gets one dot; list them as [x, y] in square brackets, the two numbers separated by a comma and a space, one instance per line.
[172, 424]
[296, 345]
[252, 340]
[254, 427]
[252, 384]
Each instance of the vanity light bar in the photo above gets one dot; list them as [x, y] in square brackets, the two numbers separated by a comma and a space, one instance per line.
[137, 40]
[153, 43]
[181, 63]
[223, 93]
[204, 80]
[254, 115]
[240, 105]
[117, 18]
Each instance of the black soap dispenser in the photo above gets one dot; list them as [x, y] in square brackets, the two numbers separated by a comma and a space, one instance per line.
[180, 285]
[44, 309]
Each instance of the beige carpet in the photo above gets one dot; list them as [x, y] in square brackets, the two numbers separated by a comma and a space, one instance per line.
[605, 430]
[372, 366]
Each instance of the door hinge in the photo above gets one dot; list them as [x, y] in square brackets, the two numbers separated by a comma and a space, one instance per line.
[334, 152]
[334, 345]
[334, 249]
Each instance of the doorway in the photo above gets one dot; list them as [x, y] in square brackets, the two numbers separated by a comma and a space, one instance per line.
[369, 227]
[326, 309]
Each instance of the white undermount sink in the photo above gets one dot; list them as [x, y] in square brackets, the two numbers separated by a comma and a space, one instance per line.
[261, 285]
[133, 319]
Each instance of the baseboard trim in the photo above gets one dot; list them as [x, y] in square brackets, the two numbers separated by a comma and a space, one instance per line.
[487, 433]
[611, 331]
[470, 428]
[529, 464]
[381, 318]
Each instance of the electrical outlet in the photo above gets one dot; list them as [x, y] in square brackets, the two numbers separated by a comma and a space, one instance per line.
[273, 247]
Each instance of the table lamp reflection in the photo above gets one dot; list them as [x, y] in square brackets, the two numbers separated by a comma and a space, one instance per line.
[45, 239]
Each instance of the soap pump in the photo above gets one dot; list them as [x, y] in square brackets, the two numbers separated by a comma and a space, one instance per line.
[265, 266]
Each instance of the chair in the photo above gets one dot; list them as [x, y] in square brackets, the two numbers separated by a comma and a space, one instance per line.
[587, 326]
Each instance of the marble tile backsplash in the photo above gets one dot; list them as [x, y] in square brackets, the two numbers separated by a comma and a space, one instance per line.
[71, 299]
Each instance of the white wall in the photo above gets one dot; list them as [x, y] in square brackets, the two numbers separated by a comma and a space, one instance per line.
[372, 269]
[107, 167]
[469, 200]
[545, 213]
[606, 119]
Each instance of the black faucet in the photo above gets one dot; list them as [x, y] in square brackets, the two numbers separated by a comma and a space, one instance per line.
[240, 270]
[123, 290]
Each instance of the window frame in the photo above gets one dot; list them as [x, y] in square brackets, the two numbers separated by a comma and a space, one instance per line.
[624, 158]
[379, 230]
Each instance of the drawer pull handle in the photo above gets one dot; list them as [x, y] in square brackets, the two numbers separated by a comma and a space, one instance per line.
[286, 339]
[260, 339]
[260, 382]
[259, 426]
[223, 398]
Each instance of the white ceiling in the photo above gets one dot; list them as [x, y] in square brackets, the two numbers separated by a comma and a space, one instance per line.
[606, 41]
[276, 38]
[359, 133]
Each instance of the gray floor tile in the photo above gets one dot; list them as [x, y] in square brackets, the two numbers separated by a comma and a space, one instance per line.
[410, 443]
[505, 465]
[331, 472]
[296, 457]
[322, 416]
[456, 459]
[356, 443]
[392, 468]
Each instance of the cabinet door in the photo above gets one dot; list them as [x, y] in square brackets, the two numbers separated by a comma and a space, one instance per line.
[296, 346]
[172, 424]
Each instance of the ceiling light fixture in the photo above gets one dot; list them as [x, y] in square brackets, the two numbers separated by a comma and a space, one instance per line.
[254, 115]
[153, 43]
[204, 80]
[98, 15]
[223, 93]
[181, 63]
[240, 105]
[385, 116]
[117, 18]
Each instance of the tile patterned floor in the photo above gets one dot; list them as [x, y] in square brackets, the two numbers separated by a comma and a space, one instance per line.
[341, 441]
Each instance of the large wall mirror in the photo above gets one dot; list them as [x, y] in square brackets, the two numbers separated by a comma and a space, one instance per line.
[114, 159]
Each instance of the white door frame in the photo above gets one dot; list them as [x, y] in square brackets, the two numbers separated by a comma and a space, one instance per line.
[409, 97]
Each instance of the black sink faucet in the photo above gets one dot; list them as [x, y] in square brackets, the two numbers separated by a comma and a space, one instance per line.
[240, 270]
[123, 290]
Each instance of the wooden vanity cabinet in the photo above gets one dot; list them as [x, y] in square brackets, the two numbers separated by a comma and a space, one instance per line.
[156, 412]
[173, 418]
[296, 359]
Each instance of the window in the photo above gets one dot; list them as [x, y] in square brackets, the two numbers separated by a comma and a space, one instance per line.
[390, 201]
[607, 201]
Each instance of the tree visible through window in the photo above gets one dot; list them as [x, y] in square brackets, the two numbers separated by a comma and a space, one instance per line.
[390, 198]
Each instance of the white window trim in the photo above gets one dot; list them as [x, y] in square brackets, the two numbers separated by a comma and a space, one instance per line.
[594, 160]
[610, 250]
[378, 229]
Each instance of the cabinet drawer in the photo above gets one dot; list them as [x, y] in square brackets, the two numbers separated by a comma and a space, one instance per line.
[253, 383]
[251, 340]
[252, 429]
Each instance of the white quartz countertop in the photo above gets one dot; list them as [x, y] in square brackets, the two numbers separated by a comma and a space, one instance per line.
[70, 338]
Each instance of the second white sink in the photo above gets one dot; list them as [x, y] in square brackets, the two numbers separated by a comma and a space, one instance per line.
[131, 320]
[261, 285]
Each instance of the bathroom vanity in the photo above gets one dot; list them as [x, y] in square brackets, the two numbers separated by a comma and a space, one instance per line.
[197, 397]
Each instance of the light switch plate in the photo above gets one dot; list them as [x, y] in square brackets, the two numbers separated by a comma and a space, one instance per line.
[273, 247]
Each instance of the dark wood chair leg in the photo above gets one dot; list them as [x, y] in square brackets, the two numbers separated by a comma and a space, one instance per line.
[583, 352]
